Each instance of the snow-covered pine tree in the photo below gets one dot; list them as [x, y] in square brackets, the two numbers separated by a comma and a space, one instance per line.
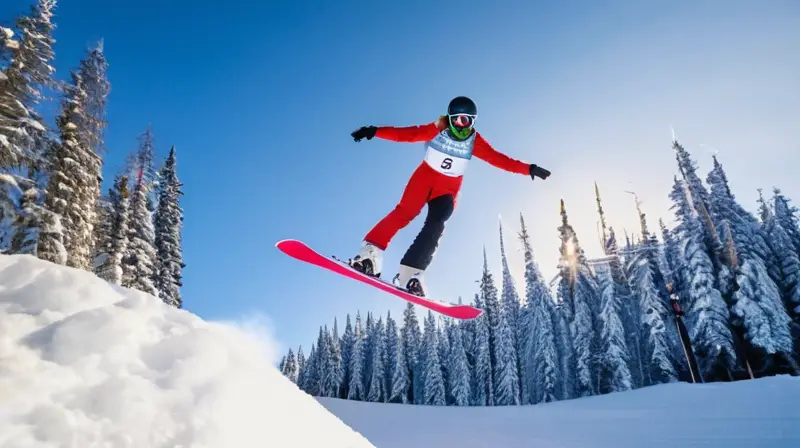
[18, 217]
[93, 123]
[501, 343]
[630, 312]
[325, 386]
[29, 72]
[786, 214]
[7, 46]
[708, 313]
[308, 381]
[369, 339]
[282, 364]
[390, 356]
[483, 381]
[688, 169]
[758, 306]
[467, 329]
[301, 365]
[289, 368]
[102, 228]
[443, 346]
[32, 224]
[356, 389]
[336, 358]
[567, 385]
[787, 263]
[577, 289]
[511, 308]
[302, 372]
[24, 139]
[167, 229]
[139, 262]
[387, 363]
[332, 365]
[76, 163]
[605, 238]
[141, 163]
[540, 359]
[699, 198]
[614, 358]
[458, 374]
[674, 268]
[401, 380]
[73, 173]
[647, 283]
[377, 383]
[411, 337]
[744, 225]
[108, 263]
[348, 340]
[433, 383]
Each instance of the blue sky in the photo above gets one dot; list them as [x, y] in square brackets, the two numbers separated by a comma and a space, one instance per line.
[260, 97]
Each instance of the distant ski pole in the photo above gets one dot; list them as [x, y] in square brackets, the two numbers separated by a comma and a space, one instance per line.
[691, 359]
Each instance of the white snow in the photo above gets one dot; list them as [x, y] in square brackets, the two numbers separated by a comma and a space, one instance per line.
[87, 364]
[759, 413]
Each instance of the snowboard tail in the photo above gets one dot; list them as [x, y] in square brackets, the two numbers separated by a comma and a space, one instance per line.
[301, 251]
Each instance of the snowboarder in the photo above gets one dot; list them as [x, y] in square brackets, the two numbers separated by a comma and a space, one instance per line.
[451, 141]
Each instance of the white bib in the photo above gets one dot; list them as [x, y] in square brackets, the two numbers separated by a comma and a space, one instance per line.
[448, 156]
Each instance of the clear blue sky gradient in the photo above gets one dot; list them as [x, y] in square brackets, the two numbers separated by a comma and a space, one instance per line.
[260, 97]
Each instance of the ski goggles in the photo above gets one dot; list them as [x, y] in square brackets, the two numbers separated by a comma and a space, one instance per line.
[462, 120]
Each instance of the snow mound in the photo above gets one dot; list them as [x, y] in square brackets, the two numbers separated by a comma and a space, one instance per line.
[87, 364]
[761, 413]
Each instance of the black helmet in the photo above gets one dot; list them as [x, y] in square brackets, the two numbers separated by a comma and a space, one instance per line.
[462, 105]
[461, 114]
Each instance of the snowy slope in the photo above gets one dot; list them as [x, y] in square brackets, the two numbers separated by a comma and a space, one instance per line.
[85, 364]
[763, 413]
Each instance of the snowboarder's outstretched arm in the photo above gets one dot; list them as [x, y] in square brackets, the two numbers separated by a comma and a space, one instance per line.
[406, 134]
[484, 151]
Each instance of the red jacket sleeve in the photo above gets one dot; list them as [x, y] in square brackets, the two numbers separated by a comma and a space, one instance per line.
[408, 134]
[484, 151]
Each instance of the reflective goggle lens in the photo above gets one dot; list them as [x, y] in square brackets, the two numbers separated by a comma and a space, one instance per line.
[462, 120]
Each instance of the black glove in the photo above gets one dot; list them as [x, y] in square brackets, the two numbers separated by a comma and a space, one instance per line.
[364, 131]
[537, 171]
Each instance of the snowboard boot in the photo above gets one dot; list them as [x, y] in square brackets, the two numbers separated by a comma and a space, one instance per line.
[369, 260]
[412, 280]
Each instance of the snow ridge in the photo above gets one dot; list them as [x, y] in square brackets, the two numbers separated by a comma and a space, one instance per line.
[89, 364]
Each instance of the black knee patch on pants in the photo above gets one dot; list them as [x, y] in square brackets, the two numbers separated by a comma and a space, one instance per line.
[420, 254]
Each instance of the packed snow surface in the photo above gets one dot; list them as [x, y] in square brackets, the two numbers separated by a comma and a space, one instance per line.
[762, 413]
[87, 364]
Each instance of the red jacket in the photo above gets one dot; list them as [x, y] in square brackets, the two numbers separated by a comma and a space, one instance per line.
[482, 149]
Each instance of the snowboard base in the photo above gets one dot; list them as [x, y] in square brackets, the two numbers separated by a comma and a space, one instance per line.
[301, 251]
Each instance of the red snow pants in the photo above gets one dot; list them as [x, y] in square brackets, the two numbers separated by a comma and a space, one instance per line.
[426, 186]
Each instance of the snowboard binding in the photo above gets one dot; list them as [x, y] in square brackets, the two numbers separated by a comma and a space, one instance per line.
[414, 286]
[363, 266]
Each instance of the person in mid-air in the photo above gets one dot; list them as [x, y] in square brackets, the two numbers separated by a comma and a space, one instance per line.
[451, 142]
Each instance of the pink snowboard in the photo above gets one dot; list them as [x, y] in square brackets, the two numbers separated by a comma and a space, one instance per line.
[301, 251]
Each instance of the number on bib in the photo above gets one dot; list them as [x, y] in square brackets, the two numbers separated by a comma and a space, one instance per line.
[447, 163]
